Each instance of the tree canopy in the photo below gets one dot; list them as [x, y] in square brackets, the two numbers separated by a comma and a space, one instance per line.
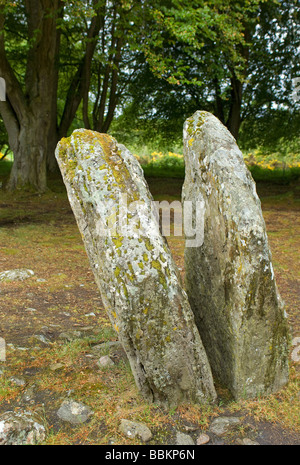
[71, 63]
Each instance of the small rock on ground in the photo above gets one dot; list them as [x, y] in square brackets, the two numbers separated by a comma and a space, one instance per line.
[70, 335]
[221, 425]
[17, 381]
[105, 361]
[183, 439]
[74, 412]
[132, 429]
[16, 275]
[203, 439]
[248, 442]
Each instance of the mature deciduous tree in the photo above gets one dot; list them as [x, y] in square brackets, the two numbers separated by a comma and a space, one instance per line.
[30, 99]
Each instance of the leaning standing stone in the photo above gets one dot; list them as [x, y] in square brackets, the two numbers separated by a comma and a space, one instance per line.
[229, 275]
[134, 269]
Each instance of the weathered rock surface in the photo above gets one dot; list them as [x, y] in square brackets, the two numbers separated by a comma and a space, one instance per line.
[74, 412]
[202, 439]
[21, 428]
[16, 275]
[134, 269]
[229, 275]
[183, 439]
[134, 429]
[105, 361]
[222, 425]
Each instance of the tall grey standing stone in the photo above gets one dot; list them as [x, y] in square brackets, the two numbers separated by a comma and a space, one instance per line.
[134, 270]
[229, 275]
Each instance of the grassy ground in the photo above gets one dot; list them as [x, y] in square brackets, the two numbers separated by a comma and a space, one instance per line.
[40, 233]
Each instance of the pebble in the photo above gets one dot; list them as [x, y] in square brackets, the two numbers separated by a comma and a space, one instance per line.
[18, 381]
[74, 412]
[183, 439]
[16, 275]
[203, 439]
[132, 429]
[247, 442]
[221, 425]
[56, 366]
[105, 361]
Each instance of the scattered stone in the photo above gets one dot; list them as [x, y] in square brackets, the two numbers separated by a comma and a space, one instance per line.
[87, 328]
[70, 335]
[31, 310]
[132, 429]
[247, 442]
[134, 269]
[42, 338]
[74, 412]
[108, 346]
[229, 275]
[105, 361]
[17, 381]
[41, 280]
[56, 366]
[28, 394]
[183, 439]
[16, 275]
[202, 439]
[21, 428]
[11, 346]
[191, 428]
[222, 425]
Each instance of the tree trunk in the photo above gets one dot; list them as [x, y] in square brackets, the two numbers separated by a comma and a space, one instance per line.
[234, 118]
[219, 101]
[28, 116]
[29, 168]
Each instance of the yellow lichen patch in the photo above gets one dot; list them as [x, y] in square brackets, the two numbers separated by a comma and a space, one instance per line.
[162, 258]
[116, 327]
[117, 271]
[156, 264]
[118, 241]
[148, 244]
[125, 290]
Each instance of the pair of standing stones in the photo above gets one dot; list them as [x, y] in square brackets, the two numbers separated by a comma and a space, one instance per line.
[229, 322]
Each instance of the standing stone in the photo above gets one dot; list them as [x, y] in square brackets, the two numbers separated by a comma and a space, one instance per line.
[134, 270]
[229, 275]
